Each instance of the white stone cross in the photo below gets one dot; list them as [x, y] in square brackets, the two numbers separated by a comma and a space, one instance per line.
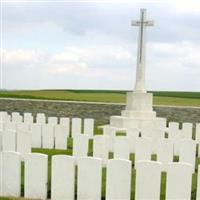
[140, 74]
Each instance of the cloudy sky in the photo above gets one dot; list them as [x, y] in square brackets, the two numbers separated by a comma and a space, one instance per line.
[91, 45]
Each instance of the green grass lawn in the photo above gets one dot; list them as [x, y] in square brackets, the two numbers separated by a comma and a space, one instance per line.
[160, 98]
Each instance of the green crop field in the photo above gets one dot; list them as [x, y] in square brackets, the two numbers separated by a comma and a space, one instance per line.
[160, 98]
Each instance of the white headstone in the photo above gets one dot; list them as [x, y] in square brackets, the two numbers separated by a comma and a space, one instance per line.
[48, 136]
[40, 118]
[16, 117]
[132, 134]
[118, 181]
[35, 177]
[148, 180]
[8, 119]
[177, 141]
[63, 177]
[198, 133]
[23, 142]
[142, 149]
[11, 174]
[111, 133]
[173, 129]
[23, 126]
[121, 147]
[80, 146]
[188, 152]
[64, 121]
[4, 117]
[9, 140]
[156, 136]
[1, 173]
[36, 135]
[131, 141]
[160, 124]
[52, 120]
[147, 130]
[88, 127]
[198, 184]
[28, 118]
[197, 137]
[1, 126]
[100, 147]
[15, 114]
[187, 130]
[165, 152]
[89, 178]
[179, 181]
[1, 133]
[10, 126]
[76, 127]
[61, 135]
[199, 150]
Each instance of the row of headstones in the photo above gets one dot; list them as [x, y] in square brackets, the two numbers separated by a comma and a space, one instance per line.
[172, 131]
[121, 146]
[173, 128]
[144, 148]
[16, 121]
[27, 136]
[89, 178]
[184, 148]
[186, 132]
[55, 136]
[156, 134]
[141, 147]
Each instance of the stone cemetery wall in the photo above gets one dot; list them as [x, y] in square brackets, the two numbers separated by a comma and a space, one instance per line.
[100, 112]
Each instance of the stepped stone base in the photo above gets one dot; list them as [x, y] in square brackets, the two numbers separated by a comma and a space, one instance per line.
[139, 105]
[121, 122]
[138, 113]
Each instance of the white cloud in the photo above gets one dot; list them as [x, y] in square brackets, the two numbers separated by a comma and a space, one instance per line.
[83, 67]
[75, 68]
[184, 53]
[169, 66]
[173, 66]
[185, 6]
[72, 60]
[70, 54]
[20, 56]
[121, 53]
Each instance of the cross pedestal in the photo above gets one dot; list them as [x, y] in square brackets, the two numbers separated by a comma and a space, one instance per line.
[139, 105]
[138, 111]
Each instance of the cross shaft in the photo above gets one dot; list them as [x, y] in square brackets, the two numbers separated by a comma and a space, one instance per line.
[140, 74]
